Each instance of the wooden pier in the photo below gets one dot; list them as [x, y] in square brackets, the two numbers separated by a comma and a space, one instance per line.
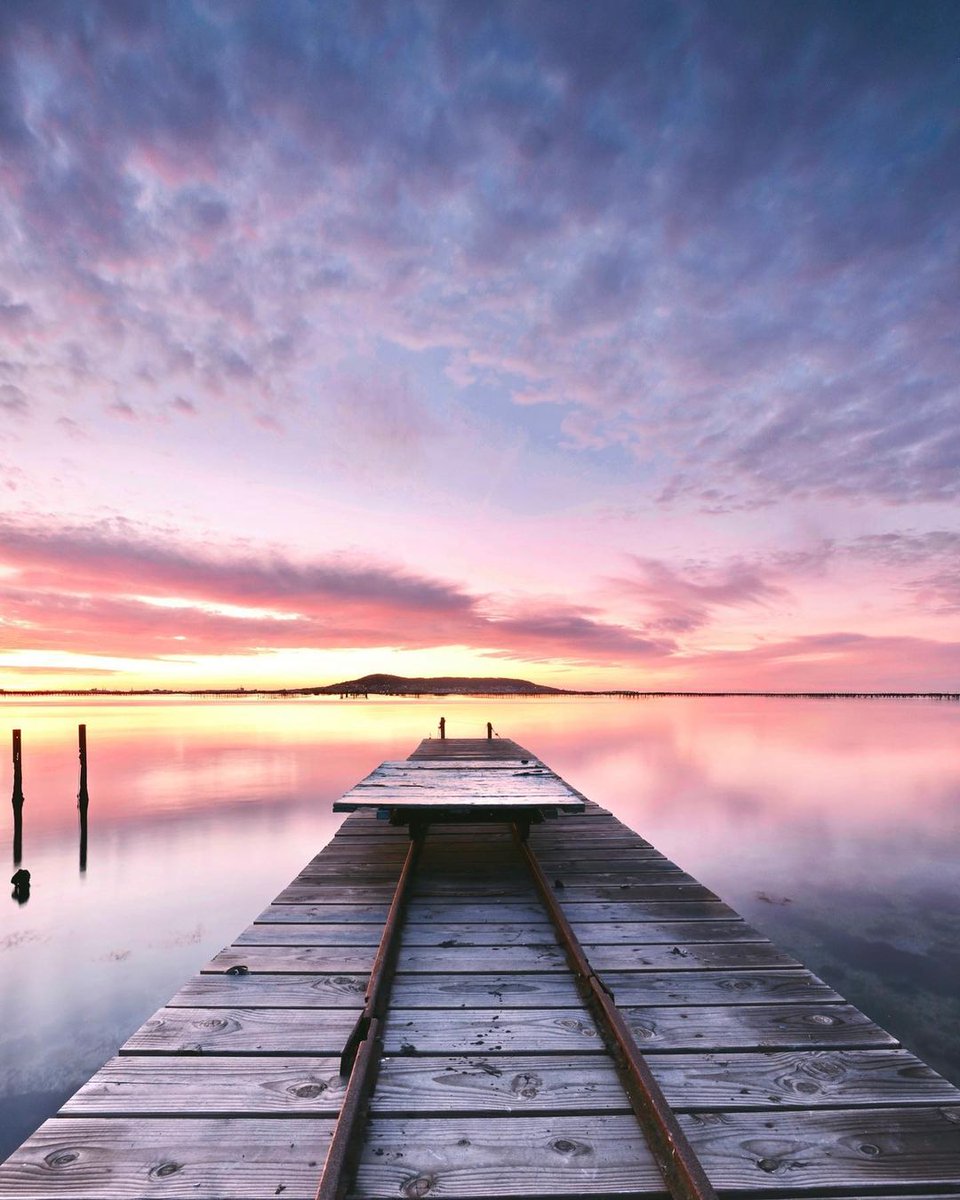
[490, 1071]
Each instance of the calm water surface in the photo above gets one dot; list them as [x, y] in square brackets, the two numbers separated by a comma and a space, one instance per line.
[832, 825]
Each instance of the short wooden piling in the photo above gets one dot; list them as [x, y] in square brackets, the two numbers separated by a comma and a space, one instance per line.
[83, 798]
[17, 797]
[17, 800]
[443, 729]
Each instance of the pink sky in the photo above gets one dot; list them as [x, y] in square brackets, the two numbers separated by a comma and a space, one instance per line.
[482, 340]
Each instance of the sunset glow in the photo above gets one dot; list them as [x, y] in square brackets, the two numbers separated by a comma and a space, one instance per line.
[607, 345]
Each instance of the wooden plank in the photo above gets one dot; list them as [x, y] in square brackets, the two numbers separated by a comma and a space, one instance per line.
[490, 1031]
[323, 960]
[339, 914]
[522, 1084]
[573, 855]
[494, 933]
[522, 1031]
[650, 910]
[418, 911]
[717, 987]
[691, 1082]
[417, 934]
[210, 1087]
[506, 910]
[345, 959]
[685, 956]
[88, 1158]
[673, 887]
[545, 956]
[485, 991]
[642, 933]
[308, 933]
[771, 1152]
[799, 1079]
[243, 1031]
[330, 892]
[754, 1026]
[271, 991]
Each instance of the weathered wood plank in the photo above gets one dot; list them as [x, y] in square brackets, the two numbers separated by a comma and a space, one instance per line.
[717, 987]
[663, 889]
[642, 933]
[485, 990]
[131, 1085]
[271, 991]
[505, 910]
[686, 956]
[332, 892]
[522, 1084]
[650, 910]
[88, 1158]
[691, 1082]
[270, 960]
[315, 1031]
[418, 911]
[316, 933]
[777, 1152]
[338, 914]
[418, 934]
[490, 1031]
[327, 960]
[521, 1031]
[754, 1026]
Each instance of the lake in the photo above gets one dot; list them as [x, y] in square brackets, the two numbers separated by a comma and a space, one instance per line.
[832, 825]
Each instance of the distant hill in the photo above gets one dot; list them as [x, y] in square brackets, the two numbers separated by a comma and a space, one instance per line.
[438, 685]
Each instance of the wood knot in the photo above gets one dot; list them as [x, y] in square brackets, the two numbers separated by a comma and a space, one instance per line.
[770, 1165]
[165, 1170]
[214, 1024]
[418, 1186]
[824, 1019]
[571, 1148]
[526, 1085]
[869, 1148]
[238, 969]
[61, 1158]
[308, 1091]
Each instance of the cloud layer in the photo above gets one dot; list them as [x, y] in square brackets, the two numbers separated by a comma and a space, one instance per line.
[323, 276]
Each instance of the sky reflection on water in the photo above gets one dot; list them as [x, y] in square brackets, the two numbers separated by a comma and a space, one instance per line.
[832, 825]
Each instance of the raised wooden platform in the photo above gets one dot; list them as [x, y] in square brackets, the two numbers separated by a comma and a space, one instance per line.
[494, 1080]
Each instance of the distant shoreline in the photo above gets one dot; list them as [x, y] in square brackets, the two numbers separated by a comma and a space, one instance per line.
[555, 693]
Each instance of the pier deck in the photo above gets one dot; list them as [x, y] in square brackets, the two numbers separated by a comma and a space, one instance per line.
[493, 1077]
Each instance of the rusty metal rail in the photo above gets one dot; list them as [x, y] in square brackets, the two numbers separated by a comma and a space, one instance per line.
[361, 1054]
[682, 1171]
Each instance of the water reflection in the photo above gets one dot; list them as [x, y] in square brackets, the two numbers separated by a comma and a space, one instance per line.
[831, 825]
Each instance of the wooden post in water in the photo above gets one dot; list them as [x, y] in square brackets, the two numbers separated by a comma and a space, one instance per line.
[17, 769]
[17, 800]
[83, 799]
[489, 731]
[443, 728]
